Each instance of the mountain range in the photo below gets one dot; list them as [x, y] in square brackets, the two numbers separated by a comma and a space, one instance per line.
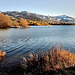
[34, 16]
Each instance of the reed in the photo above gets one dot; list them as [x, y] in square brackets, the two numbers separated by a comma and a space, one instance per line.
[57, 61]
[57, 58]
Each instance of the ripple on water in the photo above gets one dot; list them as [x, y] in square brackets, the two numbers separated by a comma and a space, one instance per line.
[21, 42]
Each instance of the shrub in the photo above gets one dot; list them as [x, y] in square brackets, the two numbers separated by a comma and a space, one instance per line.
[57, 58]
[23, 22]
[57, 61]
[5, 21]
[15, 23]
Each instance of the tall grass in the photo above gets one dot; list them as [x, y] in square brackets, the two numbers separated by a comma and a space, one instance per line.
[57, 58]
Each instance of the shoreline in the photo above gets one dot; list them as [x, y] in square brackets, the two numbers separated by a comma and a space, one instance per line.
[38, 25]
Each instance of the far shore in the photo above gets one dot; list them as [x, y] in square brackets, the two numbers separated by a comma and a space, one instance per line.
[29, 26]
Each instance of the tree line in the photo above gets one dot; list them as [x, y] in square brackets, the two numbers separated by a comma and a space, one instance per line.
[6, 22]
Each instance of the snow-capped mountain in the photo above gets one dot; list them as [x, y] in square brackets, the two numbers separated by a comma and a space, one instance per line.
[65, 18]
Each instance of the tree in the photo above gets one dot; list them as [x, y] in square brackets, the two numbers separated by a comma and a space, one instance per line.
[15, 23]
[5, 21]
[23, 22]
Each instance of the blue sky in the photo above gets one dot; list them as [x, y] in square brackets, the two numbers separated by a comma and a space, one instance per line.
[45, 7]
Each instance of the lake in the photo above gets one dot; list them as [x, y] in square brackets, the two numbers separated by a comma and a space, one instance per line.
[20, 42]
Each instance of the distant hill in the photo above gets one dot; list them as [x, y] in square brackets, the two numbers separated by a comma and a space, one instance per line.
[41, 18]
[65, 18]
[31, 16]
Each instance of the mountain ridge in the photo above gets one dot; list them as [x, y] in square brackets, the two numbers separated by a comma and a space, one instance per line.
[27, 15]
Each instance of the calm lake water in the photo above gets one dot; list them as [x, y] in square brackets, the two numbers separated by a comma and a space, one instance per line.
[21, 42]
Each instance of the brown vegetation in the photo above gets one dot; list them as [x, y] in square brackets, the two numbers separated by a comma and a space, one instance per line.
[2, 54]
[15, 23]
[23, 22]
[57, 58]
[5, 21]
[57, 61]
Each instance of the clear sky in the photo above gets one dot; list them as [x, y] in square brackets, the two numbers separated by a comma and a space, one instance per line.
[44, 7]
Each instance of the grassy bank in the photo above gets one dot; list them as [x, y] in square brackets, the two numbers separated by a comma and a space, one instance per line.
[57, 61]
